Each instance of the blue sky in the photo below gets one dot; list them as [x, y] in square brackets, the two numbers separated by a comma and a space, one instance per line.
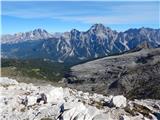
[63, 15]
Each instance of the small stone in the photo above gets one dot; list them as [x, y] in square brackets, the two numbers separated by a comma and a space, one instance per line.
[124, 117]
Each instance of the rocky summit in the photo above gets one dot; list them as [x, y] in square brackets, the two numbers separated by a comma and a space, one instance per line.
[37, 34]
[30, 102]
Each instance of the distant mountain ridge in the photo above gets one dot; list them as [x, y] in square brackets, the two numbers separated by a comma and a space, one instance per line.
[96, 42]
[31, 35]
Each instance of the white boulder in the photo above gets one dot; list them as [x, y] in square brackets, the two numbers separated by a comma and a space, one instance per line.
[55, 95]
[31, 100]
[119, 101]
[5, 81]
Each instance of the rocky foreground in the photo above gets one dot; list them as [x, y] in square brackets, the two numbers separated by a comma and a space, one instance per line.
[21, 101]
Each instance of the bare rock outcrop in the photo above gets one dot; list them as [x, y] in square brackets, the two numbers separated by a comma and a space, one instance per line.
[27, 101]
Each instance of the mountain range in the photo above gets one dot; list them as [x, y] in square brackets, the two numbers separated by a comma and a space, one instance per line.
[98, 41]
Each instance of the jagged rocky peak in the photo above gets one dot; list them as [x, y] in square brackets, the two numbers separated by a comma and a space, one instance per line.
[39, 30]
[35, 32]
[23, 36]
[42, 33]
[98, 28]
[142, 30]
[147, 31]
[74, 32]
[101, 31]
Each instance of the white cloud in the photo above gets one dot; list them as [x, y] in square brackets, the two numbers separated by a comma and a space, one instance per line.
[130, 19]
